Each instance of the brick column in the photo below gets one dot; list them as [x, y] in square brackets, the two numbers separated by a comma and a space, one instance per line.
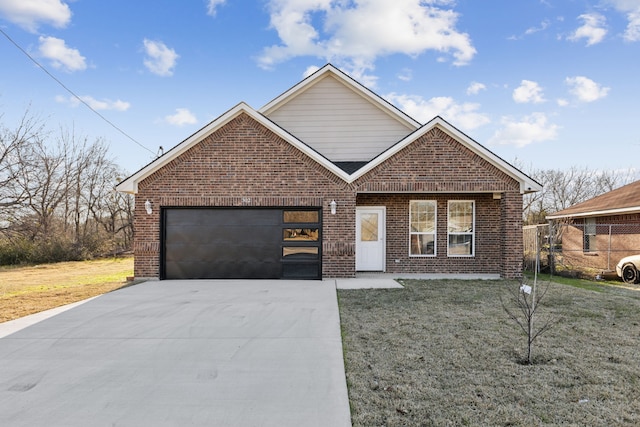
[512, 249]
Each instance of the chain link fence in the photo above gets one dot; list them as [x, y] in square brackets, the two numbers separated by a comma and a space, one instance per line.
[585, 249]
[534, 239]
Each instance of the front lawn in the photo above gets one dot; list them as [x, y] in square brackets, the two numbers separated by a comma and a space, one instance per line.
[444, 352]
[30, 289]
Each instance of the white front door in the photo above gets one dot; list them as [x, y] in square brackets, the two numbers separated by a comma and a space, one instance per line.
[370, 239]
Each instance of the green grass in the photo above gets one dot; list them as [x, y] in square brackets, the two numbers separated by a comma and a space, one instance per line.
[590, 285]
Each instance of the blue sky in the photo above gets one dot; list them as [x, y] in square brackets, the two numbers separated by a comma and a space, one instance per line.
[552, 83]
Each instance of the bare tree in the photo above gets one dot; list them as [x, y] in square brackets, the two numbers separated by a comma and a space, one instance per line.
[523, 309]
[39, 183]
[85, 165]
[564, 188]
[57, 194]
[115, 215]
[96, 214]
[12, 142]
[110, 210]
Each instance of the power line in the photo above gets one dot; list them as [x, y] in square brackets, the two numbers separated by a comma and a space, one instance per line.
[73, 93]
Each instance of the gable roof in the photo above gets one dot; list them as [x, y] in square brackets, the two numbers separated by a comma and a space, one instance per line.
[339, 117]
[527, 184]
[623, 200]
[130, 185]
[348, 174]
[348, 81]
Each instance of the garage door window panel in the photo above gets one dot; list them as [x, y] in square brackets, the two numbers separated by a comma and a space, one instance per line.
[309, 217]
[301, 244]
[300, 252]
[301, 234]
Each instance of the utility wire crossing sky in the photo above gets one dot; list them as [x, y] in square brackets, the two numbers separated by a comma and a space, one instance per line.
[545, 83]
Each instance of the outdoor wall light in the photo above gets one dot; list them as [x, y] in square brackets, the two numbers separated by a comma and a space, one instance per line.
[333, 205]
[147, 207]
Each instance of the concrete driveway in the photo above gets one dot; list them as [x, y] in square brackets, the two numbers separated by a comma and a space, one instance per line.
[175, 353]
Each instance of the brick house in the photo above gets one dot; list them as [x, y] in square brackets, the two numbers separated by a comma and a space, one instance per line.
[327, 180]
[599, 232]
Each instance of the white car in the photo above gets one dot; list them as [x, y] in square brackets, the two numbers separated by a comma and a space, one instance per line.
[628, 268]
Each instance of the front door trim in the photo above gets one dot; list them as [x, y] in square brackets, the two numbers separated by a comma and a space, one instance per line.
[371, 256]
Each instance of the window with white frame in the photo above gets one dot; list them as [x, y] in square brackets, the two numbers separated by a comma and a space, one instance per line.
[422, 228]
[589, 236]
[461, 228]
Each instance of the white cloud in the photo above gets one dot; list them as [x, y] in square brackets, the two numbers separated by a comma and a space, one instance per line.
[464, 115]
[543, 26]
[105, 104]
[528, 92]
[406, 75]
[182, 117]
[585, 89]
[562, 102]
[212, 6]
[625, 5]
[352, 34]
[475, 88]
[632, 33]
[61, 55]
[160, 59]
[593, 29]
[29, 14]
[632, 10]
[310, 70]
[529, 129]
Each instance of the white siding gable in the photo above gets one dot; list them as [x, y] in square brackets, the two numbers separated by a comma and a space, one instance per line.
[338, 122]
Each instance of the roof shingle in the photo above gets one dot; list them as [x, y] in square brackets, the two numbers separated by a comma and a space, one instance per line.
[625, 199]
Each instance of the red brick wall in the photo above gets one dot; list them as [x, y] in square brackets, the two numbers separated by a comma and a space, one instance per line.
[511, 234]
[608, 249]
[437, 167]
[488, 253]
[436, 163]
[244, 164]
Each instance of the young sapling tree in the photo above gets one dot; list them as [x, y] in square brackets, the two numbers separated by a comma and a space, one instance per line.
[525, 312]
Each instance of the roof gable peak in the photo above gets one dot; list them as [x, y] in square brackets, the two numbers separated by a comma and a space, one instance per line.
[349, 82]
[527, 184]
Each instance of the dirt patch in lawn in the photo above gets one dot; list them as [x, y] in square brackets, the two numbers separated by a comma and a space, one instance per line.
[440, 353]
[28, 290]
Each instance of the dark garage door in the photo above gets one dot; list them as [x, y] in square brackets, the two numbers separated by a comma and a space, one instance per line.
[232, 243]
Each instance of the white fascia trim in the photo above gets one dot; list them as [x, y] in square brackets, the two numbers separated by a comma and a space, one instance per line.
[527, 185]
[357, 87]
[130, 185]
[606, 212]
[299, 87]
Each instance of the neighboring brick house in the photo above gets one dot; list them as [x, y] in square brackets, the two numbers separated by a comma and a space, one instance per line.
[599, 232]
[327, 180]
